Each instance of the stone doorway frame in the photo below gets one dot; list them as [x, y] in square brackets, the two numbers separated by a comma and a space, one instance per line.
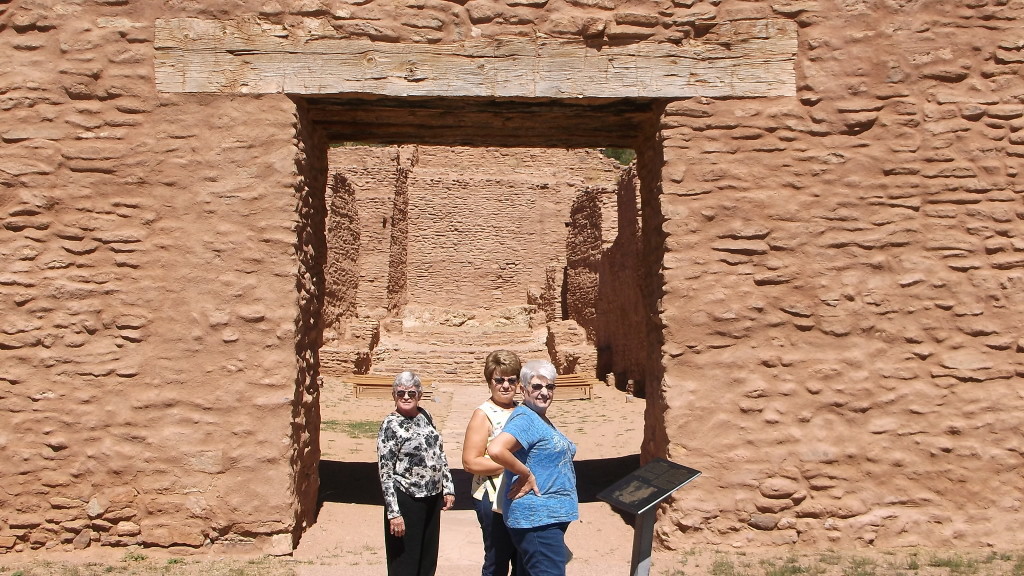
[546, 124]
[506, 92]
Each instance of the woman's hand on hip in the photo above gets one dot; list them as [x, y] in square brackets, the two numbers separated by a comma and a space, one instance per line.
[397, 526]
[523, 485]
[449, 501]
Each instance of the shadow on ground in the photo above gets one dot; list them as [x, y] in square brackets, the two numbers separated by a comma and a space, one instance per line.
[358, 483]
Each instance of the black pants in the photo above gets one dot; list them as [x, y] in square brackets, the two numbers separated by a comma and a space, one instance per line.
[415, 554]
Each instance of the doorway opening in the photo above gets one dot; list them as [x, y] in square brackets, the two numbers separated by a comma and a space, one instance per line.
[472, 224]
[436, 253]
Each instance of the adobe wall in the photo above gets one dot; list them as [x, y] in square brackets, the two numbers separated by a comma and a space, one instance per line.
[158, 340]
[359, 232]
[842, 274]
[622, 314]
[831, 282]
[479, 238]
[482, 225]
[604, 279]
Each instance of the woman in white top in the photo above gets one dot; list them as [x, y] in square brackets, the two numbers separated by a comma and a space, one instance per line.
[501, 370]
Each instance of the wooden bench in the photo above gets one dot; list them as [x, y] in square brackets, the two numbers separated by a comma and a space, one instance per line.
[575, 387]
[571, 387]
[380, 385]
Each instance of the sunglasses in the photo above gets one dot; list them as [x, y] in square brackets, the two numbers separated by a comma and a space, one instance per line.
[499, 380]
[406, 394]
[537, 387]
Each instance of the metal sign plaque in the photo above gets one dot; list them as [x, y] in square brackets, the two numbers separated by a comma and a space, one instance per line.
[648, 486]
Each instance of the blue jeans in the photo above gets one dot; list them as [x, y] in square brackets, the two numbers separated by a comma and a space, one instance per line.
[542, 549]
[499, 552]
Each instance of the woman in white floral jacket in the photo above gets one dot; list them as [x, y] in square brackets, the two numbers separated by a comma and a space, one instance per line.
[415, 479]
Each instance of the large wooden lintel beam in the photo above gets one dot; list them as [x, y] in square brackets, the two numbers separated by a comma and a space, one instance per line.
[244, 56]
[482, 122]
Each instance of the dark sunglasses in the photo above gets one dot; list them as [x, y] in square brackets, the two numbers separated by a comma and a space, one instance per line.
[406, 393]
[499, 380]
[537, 387]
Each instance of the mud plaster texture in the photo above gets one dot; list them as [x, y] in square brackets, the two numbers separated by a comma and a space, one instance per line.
[830, 283]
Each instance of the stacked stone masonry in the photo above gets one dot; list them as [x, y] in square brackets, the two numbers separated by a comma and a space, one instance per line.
[486, 229]
[483, 226]
[831, 283]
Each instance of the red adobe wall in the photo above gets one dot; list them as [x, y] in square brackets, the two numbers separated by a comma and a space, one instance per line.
[150, 390]
[842, 272]
[831, 282]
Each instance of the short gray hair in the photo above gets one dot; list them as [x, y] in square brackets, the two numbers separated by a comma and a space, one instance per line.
[407, 379]
[541, 368]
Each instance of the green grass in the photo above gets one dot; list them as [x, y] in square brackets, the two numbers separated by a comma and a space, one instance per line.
[136, 566]
[352, 429]
[790, 566]
[1018, 566]
[688, 562]
[133, 556]
[724, 567]
[265, 566]
[860, 566]
[955, 564]
[831, 562]
[624, 156]
[830, 557]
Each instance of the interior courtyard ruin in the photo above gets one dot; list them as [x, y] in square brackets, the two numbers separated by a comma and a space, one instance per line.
[437, 253]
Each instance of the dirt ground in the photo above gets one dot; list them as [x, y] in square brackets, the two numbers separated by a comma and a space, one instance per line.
[607, 429]
[347, 538]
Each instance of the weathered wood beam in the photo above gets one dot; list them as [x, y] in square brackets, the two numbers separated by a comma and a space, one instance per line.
[473, 122]
[243, 56]
[538, 137]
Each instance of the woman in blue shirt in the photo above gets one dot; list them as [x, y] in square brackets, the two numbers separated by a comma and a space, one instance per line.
[541, 499]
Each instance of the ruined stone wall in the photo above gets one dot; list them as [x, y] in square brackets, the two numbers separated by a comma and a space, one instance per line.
[148, 346]
[357, 275]
[478, 237]
[342, 268]
[621, 323]
[311, 251]
[584, 249]
[843, 277]
[653, 267]
[605, 276]
[482, 223]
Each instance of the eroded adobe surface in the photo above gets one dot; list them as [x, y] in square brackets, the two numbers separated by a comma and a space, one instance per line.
[842, 272]
[830, 282]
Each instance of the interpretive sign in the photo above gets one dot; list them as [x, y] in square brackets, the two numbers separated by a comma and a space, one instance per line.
[638, 494]
[647, 486]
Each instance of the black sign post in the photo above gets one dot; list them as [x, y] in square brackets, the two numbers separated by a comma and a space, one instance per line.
[639, 494]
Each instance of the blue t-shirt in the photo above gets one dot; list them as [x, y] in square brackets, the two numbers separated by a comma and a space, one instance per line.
[548, 454]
